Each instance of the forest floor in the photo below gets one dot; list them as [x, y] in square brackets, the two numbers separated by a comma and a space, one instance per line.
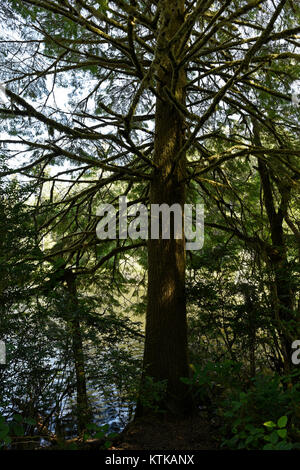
[196, 432]
[189, 433]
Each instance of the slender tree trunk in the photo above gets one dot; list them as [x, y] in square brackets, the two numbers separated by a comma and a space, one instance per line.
[283, 292]
[284, 296]
[165, 355]
[252, 334]
[285, 316]
[83, 411]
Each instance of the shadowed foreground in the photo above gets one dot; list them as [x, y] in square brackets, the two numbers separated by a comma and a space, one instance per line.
[191, 433]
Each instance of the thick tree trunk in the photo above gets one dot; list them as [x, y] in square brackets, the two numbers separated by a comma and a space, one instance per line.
[165, 355]
[82, 404]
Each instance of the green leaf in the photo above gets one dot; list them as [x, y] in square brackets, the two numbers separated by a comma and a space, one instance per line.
[73, 446]
[282, 422]
[282, 433]
[18, 429]
[268, 447]
[92, 427]
[30, 421]
[284, 446]
[17, 418]
[107, 444]
[4, 429]
[270, 424]
[273, 438]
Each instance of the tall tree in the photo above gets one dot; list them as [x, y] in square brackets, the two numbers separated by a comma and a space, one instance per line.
[166, 330]
[196, 63]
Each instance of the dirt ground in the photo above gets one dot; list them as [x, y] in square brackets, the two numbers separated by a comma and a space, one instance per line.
[190, 433]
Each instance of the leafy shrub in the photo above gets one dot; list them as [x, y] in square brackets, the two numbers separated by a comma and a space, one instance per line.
[4, 433]
[100, 432]
[267, 401]
[152, 394]
[210, 381]
[16, 427]
[262, 417]
[277, 437]
[270, 437]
